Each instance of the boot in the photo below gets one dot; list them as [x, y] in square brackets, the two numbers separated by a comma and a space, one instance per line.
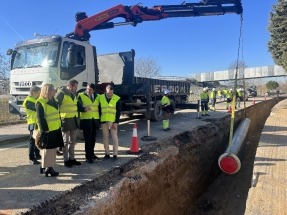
[51, 171]
[42, 170]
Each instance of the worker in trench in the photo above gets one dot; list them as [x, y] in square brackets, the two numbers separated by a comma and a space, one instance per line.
[167, 110]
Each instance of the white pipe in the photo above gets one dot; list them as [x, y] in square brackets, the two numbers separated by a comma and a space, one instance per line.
[229, 161]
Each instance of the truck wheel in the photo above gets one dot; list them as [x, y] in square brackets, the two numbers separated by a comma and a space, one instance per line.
[156, 114]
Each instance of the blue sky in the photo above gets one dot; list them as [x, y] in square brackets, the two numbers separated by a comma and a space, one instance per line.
[182, 46]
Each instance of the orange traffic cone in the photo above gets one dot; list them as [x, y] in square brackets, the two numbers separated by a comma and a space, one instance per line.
[134, 149]
[229, 109]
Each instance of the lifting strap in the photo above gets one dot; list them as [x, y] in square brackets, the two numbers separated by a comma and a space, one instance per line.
[235, 87]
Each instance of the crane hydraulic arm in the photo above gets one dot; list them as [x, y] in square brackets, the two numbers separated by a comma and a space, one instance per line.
[133, 15]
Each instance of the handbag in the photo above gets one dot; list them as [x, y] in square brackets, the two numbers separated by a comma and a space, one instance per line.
[41, 140]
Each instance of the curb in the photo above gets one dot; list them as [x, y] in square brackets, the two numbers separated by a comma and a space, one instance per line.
[14, 140]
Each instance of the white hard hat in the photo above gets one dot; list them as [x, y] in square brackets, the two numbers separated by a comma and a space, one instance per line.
[204, 89]
[230, 90]
[165, 92]
[213, 89]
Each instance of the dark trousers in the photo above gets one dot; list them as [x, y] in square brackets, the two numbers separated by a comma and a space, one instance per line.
[90, 139]
[204, 105]
[34, 152]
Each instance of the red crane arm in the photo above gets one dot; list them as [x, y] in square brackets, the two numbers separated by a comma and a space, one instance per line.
[137, 14]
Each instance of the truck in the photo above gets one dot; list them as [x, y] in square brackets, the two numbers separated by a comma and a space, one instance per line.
[56, 59]
[252, 91]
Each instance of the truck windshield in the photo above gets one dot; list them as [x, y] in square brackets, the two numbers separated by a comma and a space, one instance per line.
[36, 55]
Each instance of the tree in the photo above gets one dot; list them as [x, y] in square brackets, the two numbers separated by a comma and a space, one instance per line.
[240, 73]
[272, 85]
[147, 67]
[4, 67]
[278, 33]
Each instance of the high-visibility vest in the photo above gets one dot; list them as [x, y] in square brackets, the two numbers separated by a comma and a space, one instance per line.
[204, 96]
[51, 114]
[68, 108]
[165, 100]
[212, 94]
[31, 115]
[94, 112]
[108, 110]
[240, 93]
[229, 95]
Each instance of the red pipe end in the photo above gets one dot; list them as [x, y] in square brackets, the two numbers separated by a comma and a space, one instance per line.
[229, 163]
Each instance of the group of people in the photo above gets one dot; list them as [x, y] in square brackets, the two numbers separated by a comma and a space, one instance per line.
[208, 99]
[54, 117]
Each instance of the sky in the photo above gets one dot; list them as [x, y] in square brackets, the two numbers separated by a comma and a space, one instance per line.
[181, 46]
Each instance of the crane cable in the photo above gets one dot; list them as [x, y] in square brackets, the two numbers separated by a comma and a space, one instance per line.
[243, 76]
[235, 87]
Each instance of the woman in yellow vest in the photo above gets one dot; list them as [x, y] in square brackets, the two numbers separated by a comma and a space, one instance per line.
[30, 109]
[110, 112]
[49, 125]
[90, 120]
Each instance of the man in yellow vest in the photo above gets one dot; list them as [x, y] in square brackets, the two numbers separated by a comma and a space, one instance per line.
[229, 97]
[69, 108]
[30, 109]
[110, 112]
[90, 120]
[239, 97]
[204, 98]
[166, 110]
[212, 97]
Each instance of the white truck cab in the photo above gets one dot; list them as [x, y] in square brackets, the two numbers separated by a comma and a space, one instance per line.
[49, 59]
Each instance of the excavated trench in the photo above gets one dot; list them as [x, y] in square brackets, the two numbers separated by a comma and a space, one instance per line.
[167, 178]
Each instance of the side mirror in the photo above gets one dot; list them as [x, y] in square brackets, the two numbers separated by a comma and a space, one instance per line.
[9, 52]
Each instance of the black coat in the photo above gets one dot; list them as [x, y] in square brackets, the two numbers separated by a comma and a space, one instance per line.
[54, 138]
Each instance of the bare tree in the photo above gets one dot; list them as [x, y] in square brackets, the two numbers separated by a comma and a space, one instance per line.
[240, 72]
[147, 67]
[4, 67]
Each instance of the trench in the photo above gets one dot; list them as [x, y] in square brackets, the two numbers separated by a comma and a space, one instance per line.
[168, 178]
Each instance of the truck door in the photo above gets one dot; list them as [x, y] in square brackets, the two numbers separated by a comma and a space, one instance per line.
[73, 60]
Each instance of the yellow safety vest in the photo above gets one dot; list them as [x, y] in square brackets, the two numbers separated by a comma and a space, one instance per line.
[52, 115]
[240, 93]
[212, 95]
[165, 100]
[204, 96]
[94, 112]
[68, 108]
[108, 109]
[31, 115]
[229, 95]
